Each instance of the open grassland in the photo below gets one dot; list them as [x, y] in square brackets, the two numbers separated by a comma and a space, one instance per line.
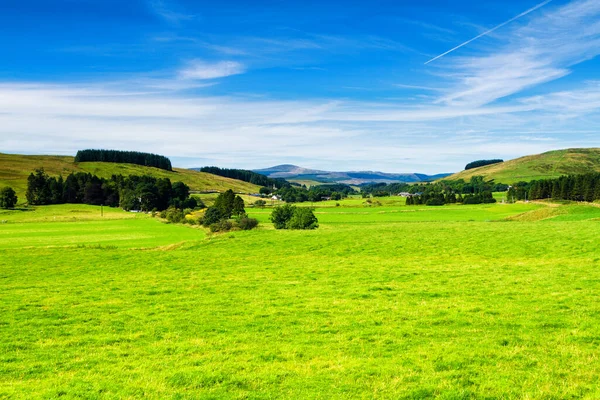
[451, 302]
[552, 164]
[15, 168]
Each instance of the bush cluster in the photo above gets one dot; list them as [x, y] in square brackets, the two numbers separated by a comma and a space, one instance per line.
[227, 213]
[292, 217]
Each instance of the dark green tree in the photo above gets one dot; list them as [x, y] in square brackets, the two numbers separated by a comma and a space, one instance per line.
[71, 190]
[238, 206]
[38, 189]
[180, 191]
[212, 216]
[147, 193]
[129, 200]
[8, 198]
[224, 203]
[56, 190]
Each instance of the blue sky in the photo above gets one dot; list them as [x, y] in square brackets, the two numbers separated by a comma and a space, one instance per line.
[328, 85]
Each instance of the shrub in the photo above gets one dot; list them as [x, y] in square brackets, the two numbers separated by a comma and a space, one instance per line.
[223, 225]
[260, 203]
[246, 223]
[303, 218]
[175, 215]
[281, 215]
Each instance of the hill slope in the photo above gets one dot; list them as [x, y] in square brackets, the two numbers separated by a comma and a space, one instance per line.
[15, 168]
[299, 174]
[551, 164]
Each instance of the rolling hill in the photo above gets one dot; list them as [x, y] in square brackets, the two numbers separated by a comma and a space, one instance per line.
[298, 174]
[15, 168]
[551, 164]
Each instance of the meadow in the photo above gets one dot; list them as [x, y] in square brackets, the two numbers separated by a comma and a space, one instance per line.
[388, 301]
[549, 165]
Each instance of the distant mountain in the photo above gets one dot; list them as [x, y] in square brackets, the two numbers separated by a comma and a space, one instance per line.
[296, 173]
[551, 164]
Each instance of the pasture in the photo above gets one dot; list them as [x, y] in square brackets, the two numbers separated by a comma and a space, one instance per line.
[387, 301]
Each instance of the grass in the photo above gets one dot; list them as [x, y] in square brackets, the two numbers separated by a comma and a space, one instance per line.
[65, 213]
[15, 168]
[452, 302]
[552, 164]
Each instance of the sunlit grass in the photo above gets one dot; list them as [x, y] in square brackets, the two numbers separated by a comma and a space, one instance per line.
[448, 302]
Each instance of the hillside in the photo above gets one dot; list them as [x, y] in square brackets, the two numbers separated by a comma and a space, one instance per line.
[15, 168]
[298, 174]
[551, 164]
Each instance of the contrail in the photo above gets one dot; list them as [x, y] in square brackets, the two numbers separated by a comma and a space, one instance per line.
[491, 30]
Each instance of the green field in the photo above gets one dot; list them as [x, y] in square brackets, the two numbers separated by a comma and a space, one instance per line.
[549, 165]
[454, 302]
[15, 168]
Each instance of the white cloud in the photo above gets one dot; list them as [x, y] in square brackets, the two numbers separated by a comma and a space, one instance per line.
[541, 51]
[202, 70]
[244, 132]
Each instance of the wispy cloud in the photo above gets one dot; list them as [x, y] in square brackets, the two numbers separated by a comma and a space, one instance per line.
[490, 31]
[541, 51]
[201, 70]
[168, 12]
[426, 88]
[235, 131]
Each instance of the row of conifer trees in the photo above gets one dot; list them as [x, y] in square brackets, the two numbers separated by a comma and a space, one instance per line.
[129, 157]
[585, 187]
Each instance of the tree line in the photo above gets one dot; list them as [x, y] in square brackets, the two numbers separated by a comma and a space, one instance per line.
[144, 193]
[129, 157]
[476, 191]
[584, 187]
[449, 197]
[481, 163]
[475, 185]
[247, 176]
[292, 194]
